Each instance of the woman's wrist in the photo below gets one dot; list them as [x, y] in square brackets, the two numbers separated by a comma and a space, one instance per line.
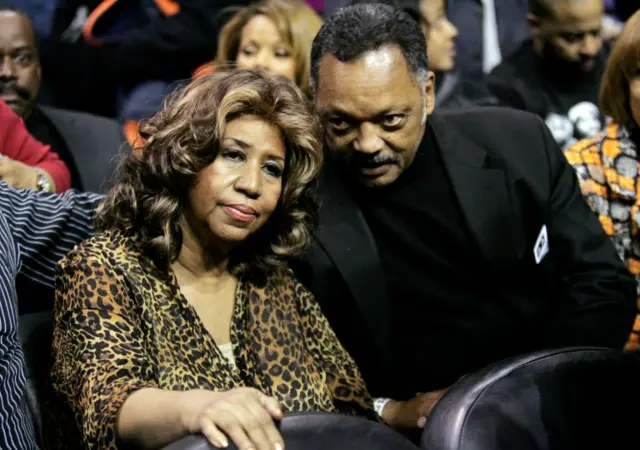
[187, 411]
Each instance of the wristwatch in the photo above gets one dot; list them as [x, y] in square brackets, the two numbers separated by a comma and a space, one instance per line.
[379, 404]
[43, 183]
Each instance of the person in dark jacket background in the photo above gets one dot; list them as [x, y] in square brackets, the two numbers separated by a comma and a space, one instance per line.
[556, 75]
[99, 57]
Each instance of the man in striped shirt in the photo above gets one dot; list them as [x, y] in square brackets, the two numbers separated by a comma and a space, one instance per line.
[36, 230]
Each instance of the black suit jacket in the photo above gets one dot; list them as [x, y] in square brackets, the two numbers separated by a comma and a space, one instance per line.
[510, 180]
[95, 143]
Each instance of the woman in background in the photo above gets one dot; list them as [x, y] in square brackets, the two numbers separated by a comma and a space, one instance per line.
[607, 164]
[275, 35]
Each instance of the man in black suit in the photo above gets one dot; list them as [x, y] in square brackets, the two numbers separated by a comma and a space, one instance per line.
[87, 144]
[446, 242]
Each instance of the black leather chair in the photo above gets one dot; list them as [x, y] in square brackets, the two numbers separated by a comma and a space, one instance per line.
[572, 398]
[321, 431]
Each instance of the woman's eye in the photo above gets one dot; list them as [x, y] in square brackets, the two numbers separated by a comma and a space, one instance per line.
[233, 155]
[248, 51]
[283, 54]
[273, 170]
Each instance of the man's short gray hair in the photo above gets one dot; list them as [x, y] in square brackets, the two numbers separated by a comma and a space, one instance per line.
[358, 29]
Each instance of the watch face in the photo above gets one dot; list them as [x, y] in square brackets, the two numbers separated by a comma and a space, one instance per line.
[43, 183]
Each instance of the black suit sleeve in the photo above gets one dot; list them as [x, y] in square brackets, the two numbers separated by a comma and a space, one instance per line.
[598, 297]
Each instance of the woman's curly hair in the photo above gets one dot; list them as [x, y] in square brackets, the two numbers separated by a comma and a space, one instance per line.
[152, 183]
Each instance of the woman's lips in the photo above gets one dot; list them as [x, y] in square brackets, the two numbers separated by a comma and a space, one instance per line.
[242, 213]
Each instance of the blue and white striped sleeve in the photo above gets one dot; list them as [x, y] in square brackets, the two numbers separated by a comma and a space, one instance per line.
[47, 226]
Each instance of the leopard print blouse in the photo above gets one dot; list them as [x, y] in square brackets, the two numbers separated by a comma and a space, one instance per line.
[121, 324]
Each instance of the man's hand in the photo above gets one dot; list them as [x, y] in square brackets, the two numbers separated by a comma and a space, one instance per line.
[17, 174]
[411, 413]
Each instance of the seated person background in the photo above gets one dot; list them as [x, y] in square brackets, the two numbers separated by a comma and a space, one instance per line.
[186, 287]
[451, 90]
[445, 242]
[104, 57]
[557, 74]
[76, 137]
[490, 30]
[275, 35]
[29, 166]
[607, 164]
[36, 230]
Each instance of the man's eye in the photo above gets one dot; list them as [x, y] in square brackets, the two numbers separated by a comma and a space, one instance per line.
[23, 58]
[338, 124]
[572, 37]
[392, 120]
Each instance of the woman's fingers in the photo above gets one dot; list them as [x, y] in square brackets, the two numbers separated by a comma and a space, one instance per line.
[232, 427]
[248, 424]
[244, 416]
[253, 425]
[213, 434]
[271, 405]
[264, 417]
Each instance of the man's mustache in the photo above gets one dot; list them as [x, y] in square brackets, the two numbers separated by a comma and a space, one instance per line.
[14, 89]
[374, 161]
[369, 161]
[353, 158]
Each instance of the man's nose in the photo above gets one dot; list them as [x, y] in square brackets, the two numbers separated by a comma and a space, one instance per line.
[591, 45]
[7, 68]
[368, 140]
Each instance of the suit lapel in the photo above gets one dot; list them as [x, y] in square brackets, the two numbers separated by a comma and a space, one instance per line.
[482, 193]
[345, 236]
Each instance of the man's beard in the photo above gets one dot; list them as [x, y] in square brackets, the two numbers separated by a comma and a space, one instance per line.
[565, 69]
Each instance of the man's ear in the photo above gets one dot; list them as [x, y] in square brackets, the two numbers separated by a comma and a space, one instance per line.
[534, 24]
[430, 92]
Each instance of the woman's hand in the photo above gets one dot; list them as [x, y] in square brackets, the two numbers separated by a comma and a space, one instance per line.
[245, 415]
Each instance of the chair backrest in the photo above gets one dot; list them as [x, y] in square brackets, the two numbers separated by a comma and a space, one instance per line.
[321, 431]
[569, 399]
[96, 145]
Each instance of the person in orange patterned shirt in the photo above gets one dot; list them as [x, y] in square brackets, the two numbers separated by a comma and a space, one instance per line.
[607, 164]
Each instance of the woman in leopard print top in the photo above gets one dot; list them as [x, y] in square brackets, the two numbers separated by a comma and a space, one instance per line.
[191, 258]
